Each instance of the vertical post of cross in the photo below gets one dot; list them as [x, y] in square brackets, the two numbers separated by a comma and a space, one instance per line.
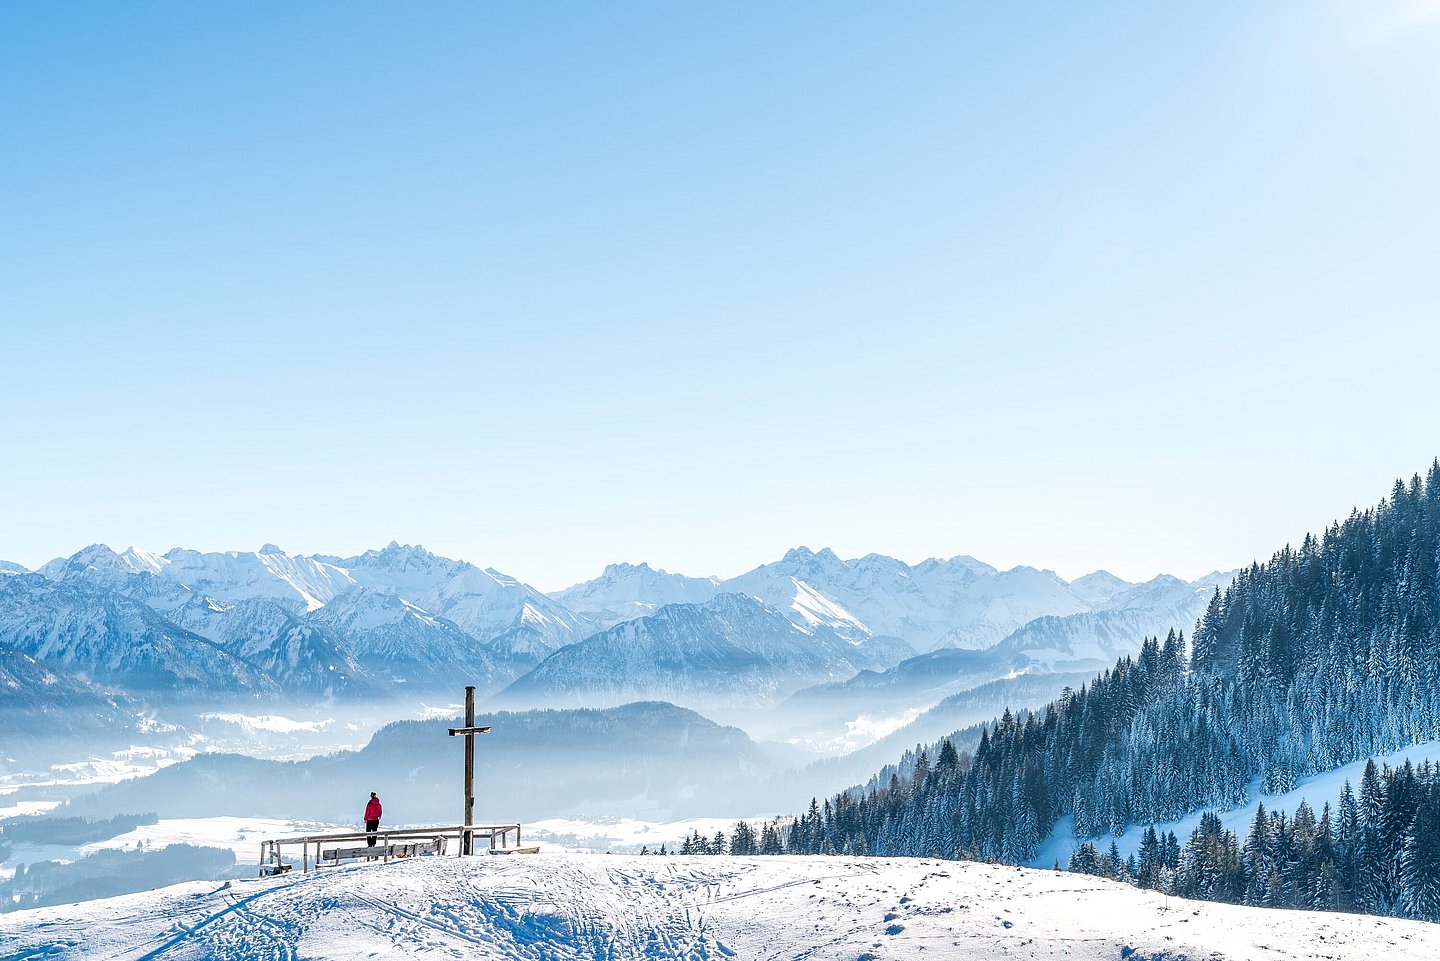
[469, 767]
[468, 732]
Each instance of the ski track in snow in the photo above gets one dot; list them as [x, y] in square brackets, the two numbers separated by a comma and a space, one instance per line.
[565, 907]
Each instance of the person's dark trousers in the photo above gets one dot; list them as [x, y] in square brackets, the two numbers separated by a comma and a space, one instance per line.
[371, 826]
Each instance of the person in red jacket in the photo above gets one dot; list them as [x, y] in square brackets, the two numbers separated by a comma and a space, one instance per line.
[372, 817]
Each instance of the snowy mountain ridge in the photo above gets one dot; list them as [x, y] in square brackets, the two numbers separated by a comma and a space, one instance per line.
[626, 591]
[939, 602]
[117, 640]
[733, 648]
[319, 625]
[403, 618]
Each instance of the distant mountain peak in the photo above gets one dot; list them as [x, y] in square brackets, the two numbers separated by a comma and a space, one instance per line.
[1098, 587]
[962, 562]
[398, 556]
[96, 555]
[270, 549]
[624, 591]
[100, 557]
[395, 548]
[622, 569]
[803, 553]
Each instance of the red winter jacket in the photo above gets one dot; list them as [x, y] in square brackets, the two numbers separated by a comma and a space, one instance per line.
[372, 810]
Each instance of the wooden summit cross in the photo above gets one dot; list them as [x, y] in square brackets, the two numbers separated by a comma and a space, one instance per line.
[468, 732]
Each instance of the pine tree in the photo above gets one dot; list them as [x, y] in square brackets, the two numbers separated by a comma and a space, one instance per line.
[1420, 862]
[949, 760]
[1347, 846]
[742, 840]
[1085, 859]
[1150, 864]
[770, 839]
[1373, 894]
[1257, 858]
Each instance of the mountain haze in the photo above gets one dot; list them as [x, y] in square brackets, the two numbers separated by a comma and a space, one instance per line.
[732, 648]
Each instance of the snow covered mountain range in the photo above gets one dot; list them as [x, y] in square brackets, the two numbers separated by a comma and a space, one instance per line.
[938, 603]
[971, 622]
[732, 648]
[404, 620]
[262, 622]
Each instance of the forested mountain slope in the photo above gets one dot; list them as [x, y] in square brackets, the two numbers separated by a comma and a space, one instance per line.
[1318, 657]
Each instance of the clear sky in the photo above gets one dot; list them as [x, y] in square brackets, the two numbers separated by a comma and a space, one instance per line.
[1138, 286]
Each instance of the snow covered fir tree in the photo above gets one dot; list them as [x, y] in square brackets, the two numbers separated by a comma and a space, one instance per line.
[1326, 654]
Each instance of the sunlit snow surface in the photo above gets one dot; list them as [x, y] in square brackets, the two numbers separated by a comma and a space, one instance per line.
[562, 907]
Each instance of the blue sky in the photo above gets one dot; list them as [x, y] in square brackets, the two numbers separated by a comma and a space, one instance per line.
[1136, 286]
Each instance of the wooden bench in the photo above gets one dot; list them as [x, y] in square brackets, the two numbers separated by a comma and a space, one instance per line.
[394, 843]
[411, 850]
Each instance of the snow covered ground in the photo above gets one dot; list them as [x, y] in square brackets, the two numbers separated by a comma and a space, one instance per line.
[20, 808]
[1318, 790]
[560, 907]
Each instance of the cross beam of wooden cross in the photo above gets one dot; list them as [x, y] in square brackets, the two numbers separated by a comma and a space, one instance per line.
[468, 732]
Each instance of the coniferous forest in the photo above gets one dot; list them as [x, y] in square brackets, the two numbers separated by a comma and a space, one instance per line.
[1326, 654]
[1378, 852]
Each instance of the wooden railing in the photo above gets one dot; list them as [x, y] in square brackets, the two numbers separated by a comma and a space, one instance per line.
[411, 841]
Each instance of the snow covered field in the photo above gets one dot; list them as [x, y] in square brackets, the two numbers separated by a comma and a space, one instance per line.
[134, 761]
[565, 906]
[1317, 791]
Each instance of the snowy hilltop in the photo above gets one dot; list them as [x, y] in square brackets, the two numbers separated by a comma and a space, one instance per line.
[566, 906]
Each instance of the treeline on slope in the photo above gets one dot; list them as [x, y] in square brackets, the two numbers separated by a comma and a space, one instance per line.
[823, 829]
[29, 829]
[1319, 657]
[1378, 853]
